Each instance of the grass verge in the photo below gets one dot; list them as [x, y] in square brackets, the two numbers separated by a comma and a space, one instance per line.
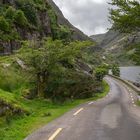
[138, 103]
[42, 113]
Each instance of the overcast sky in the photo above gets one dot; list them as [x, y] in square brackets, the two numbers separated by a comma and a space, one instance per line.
[90, 16]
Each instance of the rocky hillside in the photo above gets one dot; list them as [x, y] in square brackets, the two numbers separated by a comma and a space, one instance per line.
[98, 38]
[77, 34]
[118, 46]
[32, 20]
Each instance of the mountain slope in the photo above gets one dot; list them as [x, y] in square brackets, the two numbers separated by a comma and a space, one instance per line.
[98, 38]
[33, 20]
[118, 46]
[77, 34]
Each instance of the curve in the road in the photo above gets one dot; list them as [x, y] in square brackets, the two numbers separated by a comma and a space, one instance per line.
[116, 117]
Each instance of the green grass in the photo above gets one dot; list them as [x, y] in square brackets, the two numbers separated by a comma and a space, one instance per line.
[138, 103]
[9, 99]
[22, 126]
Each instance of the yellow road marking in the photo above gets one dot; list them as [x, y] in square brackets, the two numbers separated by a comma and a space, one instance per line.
[55, 134]
[78, 111]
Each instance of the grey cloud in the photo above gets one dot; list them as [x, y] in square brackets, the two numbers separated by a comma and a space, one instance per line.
[90, 16]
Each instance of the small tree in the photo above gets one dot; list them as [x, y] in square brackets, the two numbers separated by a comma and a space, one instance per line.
[20, 18]
[4, 25]
[100, 73]
[115, 70]
[46, 57]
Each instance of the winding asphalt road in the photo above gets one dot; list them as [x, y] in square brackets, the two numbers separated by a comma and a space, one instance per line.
[114, 117]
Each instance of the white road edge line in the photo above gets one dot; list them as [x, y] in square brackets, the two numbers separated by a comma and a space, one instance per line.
[78, 111]
[55, 134]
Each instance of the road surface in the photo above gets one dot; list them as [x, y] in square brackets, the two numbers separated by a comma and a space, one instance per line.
[114, 117]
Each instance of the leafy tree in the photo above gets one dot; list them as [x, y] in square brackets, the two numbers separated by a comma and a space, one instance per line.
[100, 73]
[126, 17]
[48, 58]
[115, 70]
[64, 33]
[20, 18]
[4, 25]
[10, 12]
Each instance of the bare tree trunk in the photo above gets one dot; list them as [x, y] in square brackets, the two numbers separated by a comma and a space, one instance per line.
[40, 85]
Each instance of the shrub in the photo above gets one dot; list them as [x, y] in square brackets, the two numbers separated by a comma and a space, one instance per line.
[115, 70]
[100, 73]
[20, 18]
[10, 12]
[64, 33]
[4, 25]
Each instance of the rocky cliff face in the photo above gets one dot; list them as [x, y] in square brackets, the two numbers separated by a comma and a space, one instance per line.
[113, 40]
[117, 46]
[32, 20]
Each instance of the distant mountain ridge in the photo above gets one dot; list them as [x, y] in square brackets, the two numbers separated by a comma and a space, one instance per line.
[117, 45]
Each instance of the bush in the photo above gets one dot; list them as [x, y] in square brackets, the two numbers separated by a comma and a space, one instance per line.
[115, 70]
[70, 85]
[4, 25]
[100, 73]
[20, 18]
[10, 12]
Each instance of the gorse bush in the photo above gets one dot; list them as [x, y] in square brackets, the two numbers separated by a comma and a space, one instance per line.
[10, 13]
[100, 73]
[70, 84]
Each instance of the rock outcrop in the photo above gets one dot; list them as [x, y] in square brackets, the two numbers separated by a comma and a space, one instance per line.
[116, 46]
[43, 28]
[98, 38]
